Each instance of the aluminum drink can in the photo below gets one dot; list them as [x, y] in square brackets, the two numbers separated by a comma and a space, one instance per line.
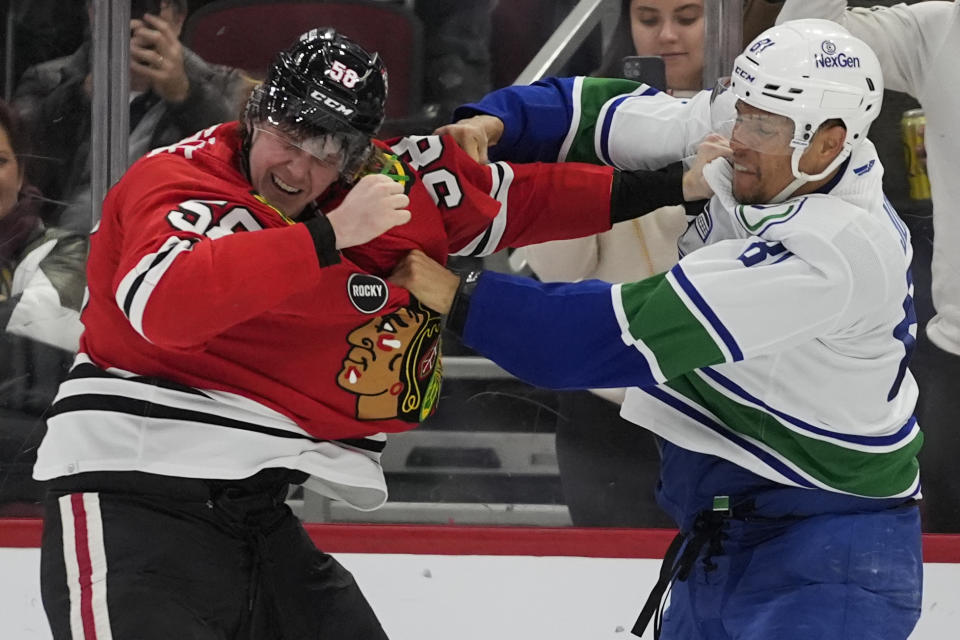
[912, 126]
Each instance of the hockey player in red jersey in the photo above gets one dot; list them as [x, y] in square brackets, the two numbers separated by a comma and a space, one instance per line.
[240, 336]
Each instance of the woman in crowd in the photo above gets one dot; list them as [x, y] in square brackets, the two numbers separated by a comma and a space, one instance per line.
[603, 484]
[41, 290]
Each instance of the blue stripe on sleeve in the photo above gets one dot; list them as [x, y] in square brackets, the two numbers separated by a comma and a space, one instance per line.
[556, 335]
[897, 223]
[608, 123]
[707, 312]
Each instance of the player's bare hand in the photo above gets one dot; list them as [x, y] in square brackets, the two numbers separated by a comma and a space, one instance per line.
[156, 54]
[695, 186]
[374, 205]
[432, 283]
[474, 134]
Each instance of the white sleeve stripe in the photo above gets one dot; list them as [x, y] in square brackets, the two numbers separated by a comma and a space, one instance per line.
[708, 327]
[574, 120]
[471, 248]
[500, 222]
[628, 339]
[598, 140]
[487, 242]
[129, 281]
[134, 291]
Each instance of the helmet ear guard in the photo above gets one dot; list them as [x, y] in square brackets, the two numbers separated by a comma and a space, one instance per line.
[811, 71]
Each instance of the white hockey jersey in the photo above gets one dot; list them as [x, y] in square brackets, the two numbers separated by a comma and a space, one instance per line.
[780, 344]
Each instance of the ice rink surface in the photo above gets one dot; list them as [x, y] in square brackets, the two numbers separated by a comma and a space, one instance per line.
[441, 597]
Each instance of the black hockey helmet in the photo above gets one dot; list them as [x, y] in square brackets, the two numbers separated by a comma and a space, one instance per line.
[324, 85]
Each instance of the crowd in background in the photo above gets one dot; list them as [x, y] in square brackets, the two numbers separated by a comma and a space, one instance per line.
[45, 207]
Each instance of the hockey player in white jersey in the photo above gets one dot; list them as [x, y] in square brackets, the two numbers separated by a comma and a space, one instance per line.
[772, 360]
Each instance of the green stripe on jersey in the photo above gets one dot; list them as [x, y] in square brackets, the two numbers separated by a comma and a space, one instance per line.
[659, 318]
[594, 93]
[874, 475]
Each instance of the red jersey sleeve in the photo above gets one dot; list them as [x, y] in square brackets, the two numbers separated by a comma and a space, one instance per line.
[185, 267]
[486, 208]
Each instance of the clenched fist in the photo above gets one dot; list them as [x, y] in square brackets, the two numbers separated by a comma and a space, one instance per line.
[695, 186]
[474, 134]
[374, 205]
[428, 280]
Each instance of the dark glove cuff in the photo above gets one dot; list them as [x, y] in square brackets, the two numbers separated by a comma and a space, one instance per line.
[324, 240]
[635, 193]
[693, 208]
[460, 307]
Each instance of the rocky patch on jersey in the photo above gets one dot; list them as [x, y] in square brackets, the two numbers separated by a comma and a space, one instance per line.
[393, 365]
[367, 293]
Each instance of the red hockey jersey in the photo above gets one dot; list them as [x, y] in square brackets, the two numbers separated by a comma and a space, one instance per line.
[196, 326]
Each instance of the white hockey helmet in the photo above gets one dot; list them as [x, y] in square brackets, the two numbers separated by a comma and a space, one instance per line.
[811, 71]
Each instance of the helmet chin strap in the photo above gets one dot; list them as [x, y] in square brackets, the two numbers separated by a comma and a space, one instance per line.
[245, 145]
[789, 190]
[800, 178]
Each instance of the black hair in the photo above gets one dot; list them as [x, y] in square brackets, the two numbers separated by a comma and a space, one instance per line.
[139, 7]
[11, 124]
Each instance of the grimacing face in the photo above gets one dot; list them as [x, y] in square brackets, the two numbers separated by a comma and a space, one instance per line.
[761, 154]
[372, 365]
[286, 175]
[673, 30]
[11, 176]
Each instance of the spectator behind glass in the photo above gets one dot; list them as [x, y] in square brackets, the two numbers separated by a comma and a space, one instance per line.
[173, 94]
[603, 484]
[41, 289]
[671, 29]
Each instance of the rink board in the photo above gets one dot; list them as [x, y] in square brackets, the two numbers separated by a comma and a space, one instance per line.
[473, 583]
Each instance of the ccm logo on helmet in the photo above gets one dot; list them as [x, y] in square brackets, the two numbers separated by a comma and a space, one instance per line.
[743, 74]
[327, 101]
[830, 57]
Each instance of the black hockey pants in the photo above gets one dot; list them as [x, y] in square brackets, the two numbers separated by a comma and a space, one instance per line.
[134, 556]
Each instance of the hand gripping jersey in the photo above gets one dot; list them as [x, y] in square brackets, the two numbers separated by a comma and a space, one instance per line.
[215, 345]
[779, 342]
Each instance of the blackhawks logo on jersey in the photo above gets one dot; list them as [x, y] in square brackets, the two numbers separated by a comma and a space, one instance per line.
[393, 365]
